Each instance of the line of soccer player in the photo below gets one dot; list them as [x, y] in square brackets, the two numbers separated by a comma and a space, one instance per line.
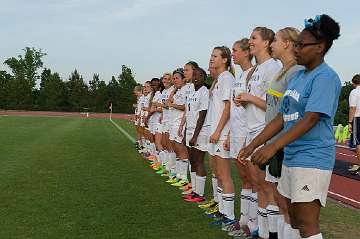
[274, 120]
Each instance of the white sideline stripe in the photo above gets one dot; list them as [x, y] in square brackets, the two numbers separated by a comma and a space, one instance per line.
[123, 131]
[341, 196]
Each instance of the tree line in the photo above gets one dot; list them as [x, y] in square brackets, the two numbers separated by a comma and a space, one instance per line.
[18, 89]
[31, 86]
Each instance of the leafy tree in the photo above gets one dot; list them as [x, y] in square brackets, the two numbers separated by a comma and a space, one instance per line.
[342, 113]
[98, 94]
[25, 74]
[77, 91]
[52, 91]
[5, 81]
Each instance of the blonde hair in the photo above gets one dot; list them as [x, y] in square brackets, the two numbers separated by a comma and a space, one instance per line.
[138, 88]
[266, 34]
[244, 45]
[288, 34]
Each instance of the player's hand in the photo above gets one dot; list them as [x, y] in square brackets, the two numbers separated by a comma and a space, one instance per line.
[263, 155]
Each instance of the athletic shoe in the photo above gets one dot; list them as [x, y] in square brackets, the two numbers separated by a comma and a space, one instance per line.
[151, 157]
[220, 220]
[357, 173]
[216, 215]
[195, 198]
[160, 171]
[210, 204]
[179, 183]
[165, 174]
[206, 202]
[232, 227]
[237, 233]
[172, 180]
[212, 210]
[188, 195]
[227, 224]
[354, 168]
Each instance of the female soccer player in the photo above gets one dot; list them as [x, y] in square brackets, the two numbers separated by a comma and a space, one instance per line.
[176, 103]
[236, 138]
[196, 134]
[307, 116]
[218, 119]
[254, 101]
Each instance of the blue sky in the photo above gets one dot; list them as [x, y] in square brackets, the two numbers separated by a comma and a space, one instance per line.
[155, 36]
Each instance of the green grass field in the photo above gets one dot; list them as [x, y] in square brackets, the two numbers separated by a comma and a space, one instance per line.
[81, 178]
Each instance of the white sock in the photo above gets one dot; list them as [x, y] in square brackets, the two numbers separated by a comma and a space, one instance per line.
[280, 226]
[263, 223]
[244, 206]
[253, 219]
[162, 157]
[193, 179]
[273, 216]
[290, 232]
[153, 148]
[178, 168]
[147, 145]
[184, 169]
[317, 236]
[200, 185]
[172, 163]
[228, 201]
[214, 187]
[219, 197]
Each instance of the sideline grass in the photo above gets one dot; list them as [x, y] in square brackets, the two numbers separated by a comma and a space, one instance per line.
[81, 178]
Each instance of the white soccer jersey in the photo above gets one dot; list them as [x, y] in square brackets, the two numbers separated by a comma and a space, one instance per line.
[189, 89]
[179, 99]
[156, 115]
[238, 113]
[220, 93]
[165, 96]
[354, 100]
[196, 102]
[138, 105]
[146, 101]
[257, 86]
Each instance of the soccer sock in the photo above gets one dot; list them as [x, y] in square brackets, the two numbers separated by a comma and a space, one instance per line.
[200, 185]
[253, 223]
[280, 226]
[162, 157]
[290, 232]
[263, 223]
[244, 206]
[221, 202]
[228, 201]
[273, 216]
[153, 148]
[184, 169]
[193, 180]
[172, 163]
[317, 236]
[214, 186]
[177, 168]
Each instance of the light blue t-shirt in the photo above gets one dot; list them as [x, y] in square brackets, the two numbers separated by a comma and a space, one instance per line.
[314, 91]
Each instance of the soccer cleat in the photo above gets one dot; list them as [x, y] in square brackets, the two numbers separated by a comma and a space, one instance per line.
[151, 157]
[228, 224]
[212, 210]
[354, 168]
[160, 171]
[188, 195]
[179, 183]
[172, 180]
[165, 174]
[210, 204]
[206, 202]
[219, 220]
[194, 198]
[232, 227]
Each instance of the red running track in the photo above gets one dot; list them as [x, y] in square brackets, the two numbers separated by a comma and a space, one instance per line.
[342, 189]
